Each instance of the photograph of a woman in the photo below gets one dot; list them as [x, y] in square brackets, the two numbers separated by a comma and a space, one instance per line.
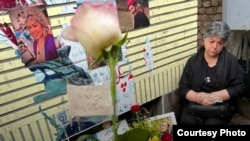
[166, 134]
[38, 26]
[32, 27]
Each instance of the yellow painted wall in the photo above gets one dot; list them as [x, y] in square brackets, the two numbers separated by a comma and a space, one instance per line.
[173, 38]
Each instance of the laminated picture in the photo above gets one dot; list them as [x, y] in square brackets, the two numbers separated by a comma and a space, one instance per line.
[34, 35]
[133, 14]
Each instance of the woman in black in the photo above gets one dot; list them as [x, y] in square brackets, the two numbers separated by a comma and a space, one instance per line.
[209, 76]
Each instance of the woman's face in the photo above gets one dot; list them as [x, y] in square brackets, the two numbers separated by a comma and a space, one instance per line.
[164, 127]
[35, 29]
[213, 45]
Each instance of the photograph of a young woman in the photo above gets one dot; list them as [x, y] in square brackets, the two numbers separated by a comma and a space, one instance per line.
[32, 27]
[38, 27]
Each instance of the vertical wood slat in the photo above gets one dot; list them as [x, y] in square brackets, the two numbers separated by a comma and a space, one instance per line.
[138, 92]
[173, 78]
[44, 130]
[157, 86]
[143, 91]
[152, 87]
[35, 131]
[52, 130]
[165, 83]
[169, 78]
[161, 83]
[26, 133]
[7, 137]
[147, 87]
[17, 135]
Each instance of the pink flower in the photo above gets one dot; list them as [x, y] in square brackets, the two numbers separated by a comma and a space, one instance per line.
[96, 26]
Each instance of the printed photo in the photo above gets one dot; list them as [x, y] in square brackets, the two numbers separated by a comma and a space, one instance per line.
[165, 123]
[133, 14]
[34, 35]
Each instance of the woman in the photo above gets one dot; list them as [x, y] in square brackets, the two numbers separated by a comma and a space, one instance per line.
[165, 130]
[210, 77]
[38, 27]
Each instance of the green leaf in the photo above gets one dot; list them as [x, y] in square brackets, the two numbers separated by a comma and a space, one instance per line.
[96, 61]
[135, 134]
[122, 41]
[85, 137]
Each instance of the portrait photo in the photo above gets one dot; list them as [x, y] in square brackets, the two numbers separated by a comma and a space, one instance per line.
[164, 123]
[133, 14]
[34, 35]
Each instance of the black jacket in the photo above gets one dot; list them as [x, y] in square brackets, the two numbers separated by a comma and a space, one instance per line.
[229, 74]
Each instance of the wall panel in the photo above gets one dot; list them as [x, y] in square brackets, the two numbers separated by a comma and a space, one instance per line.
[173, 38]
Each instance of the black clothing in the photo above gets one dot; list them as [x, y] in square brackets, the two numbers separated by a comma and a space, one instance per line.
[198, 76]
[141, 20]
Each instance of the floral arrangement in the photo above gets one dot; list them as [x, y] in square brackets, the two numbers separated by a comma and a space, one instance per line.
[158, 129]
[95, 25]
[142, 122]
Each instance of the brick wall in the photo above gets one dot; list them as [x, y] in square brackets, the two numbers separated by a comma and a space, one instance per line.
[208, 11]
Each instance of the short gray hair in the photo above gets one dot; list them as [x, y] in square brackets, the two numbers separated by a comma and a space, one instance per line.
[218, 28]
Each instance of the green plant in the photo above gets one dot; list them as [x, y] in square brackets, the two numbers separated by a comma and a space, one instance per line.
[141, 122]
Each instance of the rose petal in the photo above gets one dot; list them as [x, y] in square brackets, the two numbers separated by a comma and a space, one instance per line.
[68, 34]
[96, 26]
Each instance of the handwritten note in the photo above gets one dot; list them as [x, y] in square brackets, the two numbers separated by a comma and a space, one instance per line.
[148, 55]
[89, 100]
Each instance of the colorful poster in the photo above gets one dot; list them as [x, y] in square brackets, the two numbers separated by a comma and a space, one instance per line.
[53, 61]
[34, 35]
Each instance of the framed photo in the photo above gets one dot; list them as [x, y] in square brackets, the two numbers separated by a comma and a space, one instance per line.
[164, 123]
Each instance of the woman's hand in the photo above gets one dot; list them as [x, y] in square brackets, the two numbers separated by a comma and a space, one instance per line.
[205, 98]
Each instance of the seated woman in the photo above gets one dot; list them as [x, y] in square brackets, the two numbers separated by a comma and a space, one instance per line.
[210, 76]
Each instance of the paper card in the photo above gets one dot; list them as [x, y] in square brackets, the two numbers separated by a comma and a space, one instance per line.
[62, 118]
[148, 55]
[89, 100]
[125, 93]
[100, 75]
[107, 134]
